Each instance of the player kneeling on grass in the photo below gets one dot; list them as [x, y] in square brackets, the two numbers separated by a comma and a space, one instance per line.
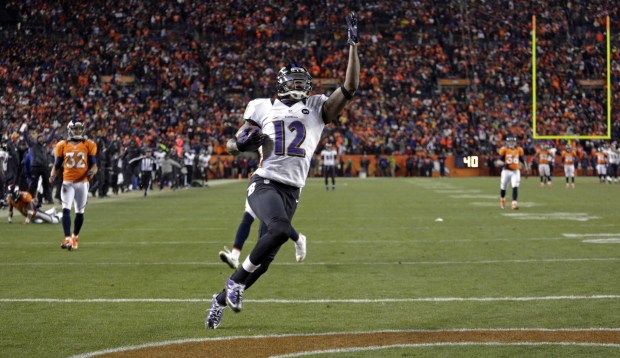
[26, 205]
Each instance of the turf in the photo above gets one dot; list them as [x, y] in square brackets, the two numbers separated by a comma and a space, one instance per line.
[376, 241]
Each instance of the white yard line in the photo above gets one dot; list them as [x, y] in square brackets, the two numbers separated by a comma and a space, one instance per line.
[456, 330]
[281, 301]
[444, 344]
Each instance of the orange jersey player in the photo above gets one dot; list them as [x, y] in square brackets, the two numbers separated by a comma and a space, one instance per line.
[77, 156]
[569, 158]
[544, 169]
[510, 157]
[26, 205]
[601, 163]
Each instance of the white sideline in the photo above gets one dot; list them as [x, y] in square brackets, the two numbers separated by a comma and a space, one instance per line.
[380, 300]
[382, 263]
[230, 338]
[444, 344]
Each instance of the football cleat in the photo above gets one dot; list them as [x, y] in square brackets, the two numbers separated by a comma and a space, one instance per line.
[514, 205]
[234, 295]
[215, 314]
[67, 244]
[502, 203]
[300, 248]
[227, 257]
[75, 242]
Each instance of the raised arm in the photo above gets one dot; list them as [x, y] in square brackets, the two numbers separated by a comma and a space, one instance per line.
[336, 102]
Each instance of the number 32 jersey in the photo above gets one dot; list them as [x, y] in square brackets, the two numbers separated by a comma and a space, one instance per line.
[75, 158]
[293, 135]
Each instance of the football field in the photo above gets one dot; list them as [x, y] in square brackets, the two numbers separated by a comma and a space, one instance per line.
[407, 267]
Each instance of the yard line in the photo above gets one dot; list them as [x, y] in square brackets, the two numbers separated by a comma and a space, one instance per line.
[570, 235]
[329, 242]
[354, 300]
[377, 263]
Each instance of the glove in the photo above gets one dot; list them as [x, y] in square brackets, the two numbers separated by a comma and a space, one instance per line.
[250, 139]
[352, 28]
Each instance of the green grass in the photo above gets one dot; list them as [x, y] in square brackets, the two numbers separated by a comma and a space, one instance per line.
[371, 239]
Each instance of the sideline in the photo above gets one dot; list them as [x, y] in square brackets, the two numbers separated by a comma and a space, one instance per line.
[295, 345]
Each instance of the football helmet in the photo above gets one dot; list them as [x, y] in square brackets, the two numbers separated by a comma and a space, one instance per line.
[569, 148]
[287, 77]
[76, 129]
[511, 142]
[16, 194]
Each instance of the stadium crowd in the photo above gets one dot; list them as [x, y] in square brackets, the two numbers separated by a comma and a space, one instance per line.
[175, 75]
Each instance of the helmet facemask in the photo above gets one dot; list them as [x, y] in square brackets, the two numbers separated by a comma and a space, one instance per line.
[289, 80]
[76, 130]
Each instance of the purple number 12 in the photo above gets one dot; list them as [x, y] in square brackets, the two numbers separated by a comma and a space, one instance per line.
[293, 148]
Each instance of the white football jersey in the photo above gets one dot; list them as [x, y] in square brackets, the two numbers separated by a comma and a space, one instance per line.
[612, 156]
[329, 157]
[293, 135]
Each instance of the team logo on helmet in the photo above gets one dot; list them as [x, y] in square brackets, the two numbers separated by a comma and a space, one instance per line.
[76, 129]
[294, 81]
[511, 142]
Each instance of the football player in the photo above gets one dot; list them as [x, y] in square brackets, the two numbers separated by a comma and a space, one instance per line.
[329, 156]
[26, 205]
[601, 163]
[543, 154]
[568, 159]
[510, 157]
[613, 159]
[77, 156]
[289, 130]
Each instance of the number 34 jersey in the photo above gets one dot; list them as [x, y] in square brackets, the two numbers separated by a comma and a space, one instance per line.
[75, 158]
[293, 135]
[511, 157]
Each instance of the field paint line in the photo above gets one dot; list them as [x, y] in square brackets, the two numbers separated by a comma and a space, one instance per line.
[552, 216]
[474, 196]
[323, 334]
[615, 240]
[279, 301]
[570, 235]
[329, 242]
[444, 344]
[457, 191]
[381, 263]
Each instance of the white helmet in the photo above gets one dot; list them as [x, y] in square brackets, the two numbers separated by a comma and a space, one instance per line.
[76, 130]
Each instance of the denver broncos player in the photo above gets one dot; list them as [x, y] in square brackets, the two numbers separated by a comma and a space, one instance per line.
[569, 157]
[77, 157]
[288, 130]
[26, 205]
[601, 163]
[510, 156]
[543, 154]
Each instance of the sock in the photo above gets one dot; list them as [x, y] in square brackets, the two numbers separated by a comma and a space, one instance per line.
[502, 193]
[66, 222]
[515, 193]
[79, 220]
[294, 234]
[221, 298]
[243, 231]
[242, 273]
